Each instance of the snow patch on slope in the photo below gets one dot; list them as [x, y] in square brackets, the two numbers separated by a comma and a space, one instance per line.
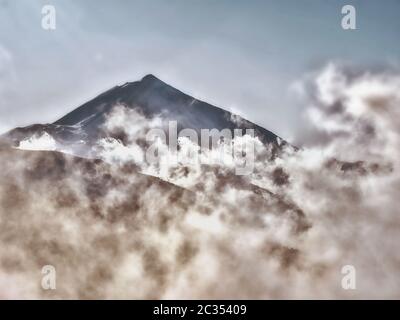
[43, 141]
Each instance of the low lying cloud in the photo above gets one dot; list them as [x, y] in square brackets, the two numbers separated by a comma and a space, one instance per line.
[39, 142]
[121, 228]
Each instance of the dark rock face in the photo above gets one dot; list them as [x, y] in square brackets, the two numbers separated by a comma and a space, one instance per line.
[151, 97]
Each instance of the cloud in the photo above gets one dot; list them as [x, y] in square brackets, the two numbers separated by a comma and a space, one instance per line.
[42, 142]
[201, 231]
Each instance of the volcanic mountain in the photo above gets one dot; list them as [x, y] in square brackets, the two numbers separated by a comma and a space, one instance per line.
[110, 227]
[151, 97]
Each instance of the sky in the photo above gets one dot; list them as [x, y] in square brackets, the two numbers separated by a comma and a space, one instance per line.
[244, 56]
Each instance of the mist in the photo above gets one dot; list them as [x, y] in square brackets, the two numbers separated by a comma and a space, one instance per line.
[119, 227]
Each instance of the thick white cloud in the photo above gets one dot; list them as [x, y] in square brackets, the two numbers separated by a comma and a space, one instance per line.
[43, 141]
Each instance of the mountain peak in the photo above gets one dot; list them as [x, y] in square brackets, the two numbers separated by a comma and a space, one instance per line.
[150, 77]
[152, 97]
[152, 80]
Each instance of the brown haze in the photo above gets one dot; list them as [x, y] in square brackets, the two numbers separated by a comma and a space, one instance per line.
[114, 230]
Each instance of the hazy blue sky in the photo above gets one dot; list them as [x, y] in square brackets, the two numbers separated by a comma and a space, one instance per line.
[241, 55]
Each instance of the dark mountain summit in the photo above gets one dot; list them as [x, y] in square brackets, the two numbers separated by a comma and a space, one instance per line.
[150, 96]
